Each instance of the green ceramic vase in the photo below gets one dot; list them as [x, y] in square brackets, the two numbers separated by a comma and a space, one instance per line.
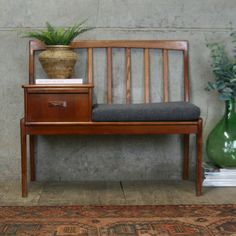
[221, 142]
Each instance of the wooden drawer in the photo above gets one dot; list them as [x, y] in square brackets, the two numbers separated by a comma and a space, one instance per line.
[57, 107]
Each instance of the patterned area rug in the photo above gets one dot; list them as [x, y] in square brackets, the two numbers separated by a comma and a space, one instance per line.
[179, 220]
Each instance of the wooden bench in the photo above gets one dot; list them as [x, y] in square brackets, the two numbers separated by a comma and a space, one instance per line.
[68, 109]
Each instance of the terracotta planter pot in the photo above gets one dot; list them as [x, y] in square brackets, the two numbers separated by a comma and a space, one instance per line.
[58, 61]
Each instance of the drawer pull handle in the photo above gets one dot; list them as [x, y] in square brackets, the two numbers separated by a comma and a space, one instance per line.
[57, 104]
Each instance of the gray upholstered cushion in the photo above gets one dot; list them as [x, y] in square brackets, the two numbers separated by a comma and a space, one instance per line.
[169, 111]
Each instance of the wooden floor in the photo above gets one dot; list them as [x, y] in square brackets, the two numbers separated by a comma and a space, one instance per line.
[114, 193]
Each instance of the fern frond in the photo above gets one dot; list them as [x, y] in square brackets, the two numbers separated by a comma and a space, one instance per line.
[58, 35]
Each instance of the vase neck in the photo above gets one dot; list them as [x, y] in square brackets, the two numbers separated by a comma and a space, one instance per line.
[229, 107]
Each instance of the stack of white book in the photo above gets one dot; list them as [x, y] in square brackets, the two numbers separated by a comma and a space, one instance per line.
[59, 81]
[219, 177]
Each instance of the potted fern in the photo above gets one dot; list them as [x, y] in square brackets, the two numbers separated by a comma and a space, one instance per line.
[58, 60]
[221, 142]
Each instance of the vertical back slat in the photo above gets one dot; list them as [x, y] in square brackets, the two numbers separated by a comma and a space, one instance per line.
[90, 65]
[109, 75]
[146, 76]
[186, 80]
[33, 47]
[128, 75]
[31, 64]
[165, 75]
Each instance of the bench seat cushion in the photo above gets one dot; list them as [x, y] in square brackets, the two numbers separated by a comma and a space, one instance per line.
[168, 111]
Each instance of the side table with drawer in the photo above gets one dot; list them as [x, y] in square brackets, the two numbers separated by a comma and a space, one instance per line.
[52, 109]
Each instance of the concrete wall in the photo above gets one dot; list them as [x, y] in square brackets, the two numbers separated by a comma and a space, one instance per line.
[115, 157]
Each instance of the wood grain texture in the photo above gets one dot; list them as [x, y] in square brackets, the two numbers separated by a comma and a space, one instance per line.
[90, 65]
[33, 47]
[165, 75]
[162, 44]
[24, 191]
[90, 107]
[109, 75]
[58, 107]
[32, 158]
[67, 109]
[199, 141]
[180, 45]
[186, 76]
[146, 76]
[111, 128]
[128, 75]
[186, 157]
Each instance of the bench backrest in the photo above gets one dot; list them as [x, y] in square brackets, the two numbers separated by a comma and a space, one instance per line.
[146, 45]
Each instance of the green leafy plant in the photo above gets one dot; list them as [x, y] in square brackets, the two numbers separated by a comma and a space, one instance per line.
[58, 35]
[224, 69]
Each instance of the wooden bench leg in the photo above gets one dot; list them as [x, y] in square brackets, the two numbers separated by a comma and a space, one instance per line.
[186, 157]
[32, 158]
[23, 159]
[199, 159]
